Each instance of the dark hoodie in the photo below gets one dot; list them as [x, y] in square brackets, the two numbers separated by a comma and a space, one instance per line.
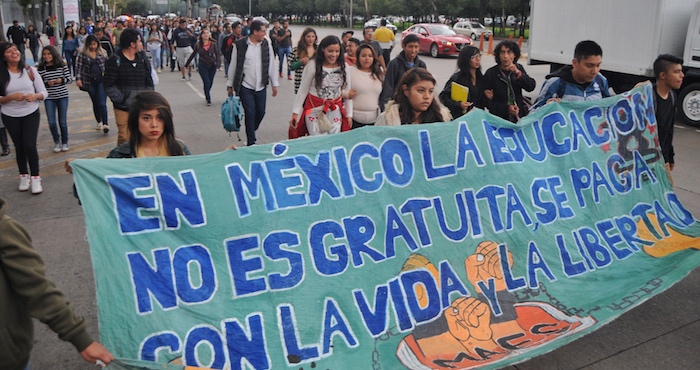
[26, 292]
[394, 71]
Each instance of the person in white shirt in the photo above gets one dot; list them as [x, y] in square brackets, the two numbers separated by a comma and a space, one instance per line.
[252, 68]
[367, 77]
[319, 107]
[21, 90]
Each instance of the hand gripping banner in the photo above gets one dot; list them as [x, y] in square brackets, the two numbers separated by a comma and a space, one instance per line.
[471, 243]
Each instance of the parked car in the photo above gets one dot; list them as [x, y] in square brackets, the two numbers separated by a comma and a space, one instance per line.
[438, 39]
[377, 22]
[472, 29]
[488, 21]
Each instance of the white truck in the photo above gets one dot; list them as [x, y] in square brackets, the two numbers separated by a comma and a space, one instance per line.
[632, 34]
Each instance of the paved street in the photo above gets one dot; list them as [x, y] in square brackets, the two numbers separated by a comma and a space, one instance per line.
[663, 333]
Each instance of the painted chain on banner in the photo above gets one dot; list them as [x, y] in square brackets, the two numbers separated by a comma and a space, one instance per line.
[471, 243]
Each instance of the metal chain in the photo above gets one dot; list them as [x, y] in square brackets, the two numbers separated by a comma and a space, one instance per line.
[376, 364]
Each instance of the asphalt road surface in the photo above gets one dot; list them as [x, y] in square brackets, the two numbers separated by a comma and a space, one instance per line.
[662, 333]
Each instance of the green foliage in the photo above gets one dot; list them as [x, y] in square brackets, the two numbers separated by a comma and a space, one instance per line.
[137, 7]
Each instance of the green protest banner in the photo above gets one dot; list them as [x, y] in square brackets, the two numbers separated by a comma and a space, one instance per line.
[476, 242]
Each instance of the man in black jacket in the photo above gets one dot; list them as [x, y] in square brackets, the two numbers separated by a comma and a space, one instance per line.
[668, 70]
[17, 35]
[127, 72]
[507, 80]
[406, 60]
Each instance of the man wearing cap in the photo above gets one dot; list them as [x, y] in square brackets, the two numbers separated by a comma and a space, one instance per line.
[346, 36]
[18, 36]
[386, 40]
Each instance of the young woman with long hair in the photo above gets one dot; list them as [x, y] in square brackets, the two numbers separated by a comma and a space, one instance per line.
[302, 53]
[321, 93]
[154, 43]
[56, 76]
[469, 75]
[82, 37]
[414, 101]
[70, 48]
[152, 129]
[21, 90]
[88, 76]
[34, 42]
[367, 78]
[209, 60]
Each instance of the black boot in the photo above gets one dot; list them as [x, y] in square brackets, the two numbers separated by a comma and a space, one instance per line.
[3, 142]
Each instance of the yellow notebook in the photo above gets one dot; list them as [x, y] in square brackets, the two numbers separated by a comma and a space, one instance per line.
[459, 92]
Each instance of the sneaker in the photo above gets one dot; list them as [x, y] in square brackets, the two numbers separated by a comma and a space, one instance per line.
[23, 182]
[105, 128]
[57, 147]
[64, 148]
[208, 104]
[160, 70]
[189, 75]
[5, 151]
[289, 77]
[183, 78]
[36, 185]
[99, 126]
[281, 75]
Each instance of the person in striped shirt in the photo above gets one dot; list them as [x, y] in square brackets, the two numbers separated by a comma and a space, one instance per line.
[56, 76]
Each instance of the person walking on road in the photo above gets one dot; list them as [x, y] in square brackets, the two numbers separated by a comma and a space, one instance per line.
[17, 35]
[668, 70]
[368, 38]
[319, 108]
[407, 59]
[386, 39]
[414, 101]
[209, 61]
[579, 81]
[56, 76]
[367, 78]
[252, 69]
[34, 41]
[127, 73]
[155, 44]
[70, 48]
[302, 53]
[26, 293]
[21, 90]
[90, 68]
[284, 46]
[506, 81]
[468, 75]
[182, 46]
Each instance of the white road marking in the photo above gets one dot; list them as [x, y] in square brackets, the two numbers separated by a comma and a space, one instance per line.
[189, 83]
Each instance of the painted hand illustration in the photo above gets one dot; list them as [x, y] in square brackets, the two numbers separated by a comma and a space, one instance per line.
[469, 318]
[486, 264]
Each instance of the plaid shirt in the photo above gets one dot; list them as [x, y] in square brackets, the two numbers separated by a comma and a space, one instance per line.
[82, 69]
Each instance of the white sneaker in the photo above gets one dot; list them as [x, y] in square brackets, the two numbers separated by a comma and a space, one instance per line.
[36, 185]
[105, 128]
[57, 147]
[64, 148]
[99, 126]
[23, 182]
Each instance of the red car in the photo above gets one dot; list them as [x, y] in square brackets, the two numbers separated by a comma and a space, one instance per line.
[438, 39]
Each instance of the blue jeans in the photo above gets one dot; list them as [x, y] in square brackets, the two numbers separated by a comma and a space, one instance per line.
[207, 73]
[282, 52]
[254, 107]
[70, 60]
[51, 106]
[156, 57]
[99, 101]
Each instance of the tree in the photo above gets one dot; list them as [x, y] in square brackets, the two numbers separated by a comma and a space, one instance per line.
[25, 9]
